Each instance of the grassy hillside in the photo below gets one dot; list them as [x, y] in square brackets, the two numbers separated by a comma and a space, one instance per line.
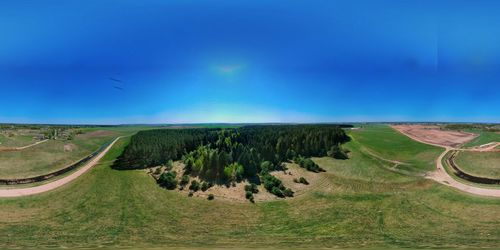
[387, 143]
[360, 204]
[483, 138]
[484, 164]
[56, 154]
[15, 141]
[50, 156]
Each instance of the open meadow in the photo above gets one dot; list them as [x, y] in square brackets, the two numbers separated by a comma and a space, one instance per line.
[482, 164]
[360, 202]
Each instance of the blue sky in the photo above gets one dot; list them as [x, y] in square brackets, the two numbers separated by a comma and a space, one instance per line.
[249, 61]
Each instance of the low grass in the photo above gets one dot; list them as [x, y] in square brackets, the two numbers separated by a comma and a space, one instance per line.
[482, 164]
[361, 204]
[16, 141]
[388, 143]
[51, 155]
[483, 138]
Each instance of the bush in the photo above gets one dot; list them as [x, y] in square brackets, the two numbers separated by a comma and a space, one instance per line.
[337, 152]
[252, 188]
[252, 200]
[248, 194]
[303, 181]
[190, 194]
[195, 186]
[310, 165]
[204, 186]
[288, 192]
[169, 165]
[167, 180]
[210, 197]
[276, 191]
[184, 180]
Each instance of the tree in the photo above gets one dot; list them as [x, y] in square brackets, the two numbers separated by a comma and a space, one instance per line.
[167, 180]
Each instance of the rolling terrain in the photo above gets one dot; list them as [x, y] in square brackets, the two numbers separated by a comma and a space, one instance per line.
[363, 201]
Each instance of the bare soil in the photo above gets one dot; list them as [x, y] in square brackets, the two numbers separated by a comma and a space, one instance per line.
[434, 135]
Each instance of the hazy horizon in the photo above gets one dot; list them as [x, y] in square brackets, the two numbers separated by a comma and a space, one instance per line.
[157, 62]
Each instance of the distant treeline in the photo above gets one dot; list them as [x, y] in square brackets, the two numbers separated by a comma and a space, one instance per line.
[231, 154]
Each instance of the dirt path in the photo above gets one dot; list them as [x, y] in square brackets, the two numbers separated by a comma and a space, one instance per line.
[55, 184]
[24, 147]
[440, 175]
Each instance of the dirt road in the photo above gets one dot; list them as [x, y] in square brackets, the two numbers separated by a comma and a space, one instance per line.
[440, 175]
[24, 147]
[55, 184]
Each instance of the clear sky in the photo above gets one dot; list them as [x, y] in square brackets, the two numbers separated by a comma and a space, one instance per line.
[249, 61]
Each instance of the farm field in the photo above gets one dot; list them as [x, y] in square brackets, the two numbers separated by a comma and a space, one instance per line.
[53, 155]
[482, 164]
[358, 202]
[15, 141]
[387, 143]
[483, 138]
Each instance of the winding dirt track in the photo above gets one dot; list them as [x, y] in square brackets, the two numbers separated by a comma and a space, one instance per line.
[24, 147]
[440, 175]
[55, 184]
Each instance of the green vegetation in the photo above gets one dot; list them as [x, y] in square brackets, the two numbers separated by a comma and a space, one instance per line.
[481, 164]
[386, 143]
[308, 164]
[167, 180]
[51, 155]
[232, 155]
[360, 204]
[483, 138]
[301, 180]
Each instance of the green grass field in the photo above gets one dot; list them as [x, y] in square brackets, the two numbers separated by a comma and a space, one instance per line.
[483, 138]
[49, 156]
[483, 164]
[16, 141]
[361, 205]
[387, 143]
[57, 154]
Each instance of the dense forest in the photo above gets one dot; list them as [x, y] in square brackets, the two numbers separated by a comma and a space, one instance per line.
[235, 154]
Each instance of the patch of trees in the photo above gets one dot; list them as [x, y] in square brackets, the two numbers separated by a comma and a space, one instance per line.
[231, 155]
[301, 180]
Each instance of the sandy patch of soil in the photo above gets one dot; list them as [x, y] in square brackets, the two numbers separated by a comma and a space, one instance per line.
[69, 147]
[434, 135]
[236, 191]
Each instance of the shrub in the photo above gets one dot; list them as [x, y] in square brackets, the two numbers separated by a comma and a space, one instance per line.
[184, 180]
[303, 181]
[252, 200]
[276, 191]
[167, 180]
[252, 188]
[248, 194]
[337, 152]
[210, 197]
[288, 192]
[204, 186]
[169, 165]
[190, 194]
[310, 165]
[195, 186]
